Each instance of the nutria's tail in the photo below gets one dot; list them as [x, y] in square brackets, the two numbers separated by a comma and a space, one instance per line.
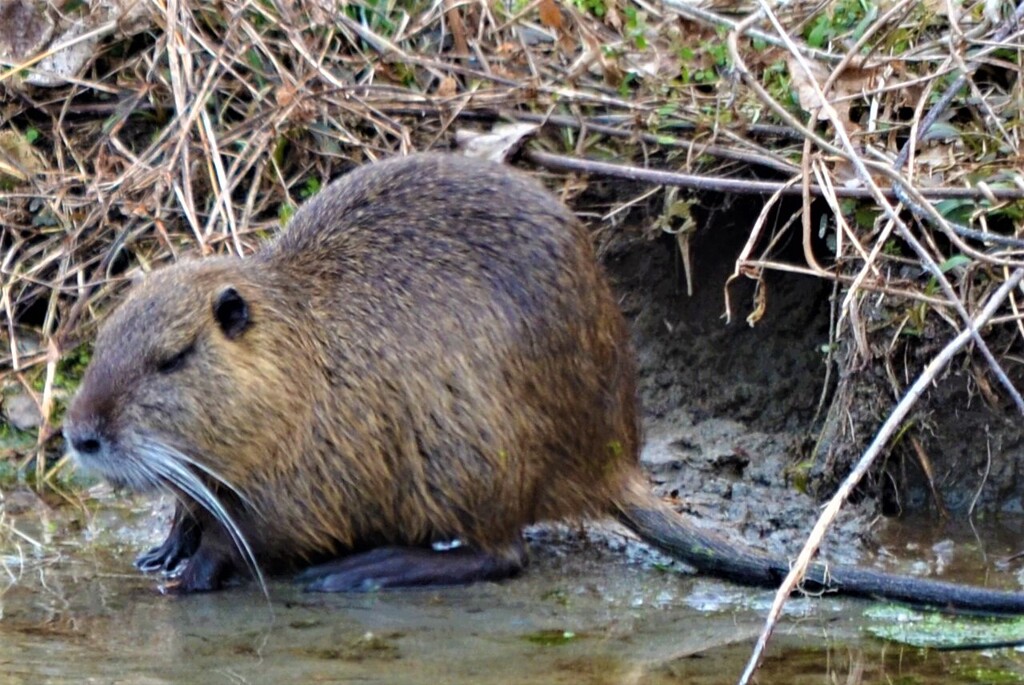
[660, 525]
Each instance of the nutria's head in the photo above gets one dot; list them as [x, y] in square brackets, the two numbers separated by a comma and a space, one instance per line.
[177, 389]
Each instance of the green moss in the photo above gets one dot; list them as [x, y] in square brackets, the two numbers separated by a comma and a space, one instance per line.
[8, 474]
[550, 638]
[594, 7]
[923, 629]
[559, 597]
[847, 18]
[368, 646]
[799, 474]
[310, 188]
[14, 441]
[285, 211]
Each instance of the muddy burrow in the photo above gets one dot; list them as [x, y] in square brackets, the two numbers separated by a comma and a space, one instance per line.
[734, 413]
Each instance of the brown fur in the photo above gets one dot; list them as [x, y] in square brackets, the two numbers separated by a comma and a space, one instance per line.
[428, 352]
[433, 354]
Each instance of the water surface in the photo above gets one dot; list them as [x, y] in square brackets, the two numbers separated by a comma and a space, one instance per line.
[75, 611]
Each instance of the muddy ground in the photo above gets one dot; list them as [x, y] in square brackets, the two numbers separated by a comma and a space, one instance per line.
[732, 411]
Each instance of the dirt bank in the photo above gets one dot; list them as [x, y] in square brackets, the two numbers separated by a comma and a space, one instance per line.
[732, 414]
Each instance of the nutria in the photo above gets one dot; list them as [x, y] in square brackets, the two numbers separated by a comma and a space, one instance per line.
[428, 353]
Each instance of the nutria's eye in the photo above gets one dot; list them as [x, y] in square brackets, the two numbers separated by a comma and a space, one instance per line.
[172, 364]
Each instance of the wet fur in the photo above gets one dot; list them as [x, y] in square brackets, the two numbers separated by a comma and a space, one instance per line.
[426, 360]
[428, 352]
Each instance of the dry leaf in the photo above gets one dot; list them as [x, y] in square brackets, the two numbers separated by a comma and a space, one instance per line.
[284, 95]
[937, 7]
[612, 18]
[496, 145]
[18, 159]
[806, 93]
[551, 14]
[25, 27]
[844, 92]
[448, 87]
[933, 160]
[508, 48]
[845, 174]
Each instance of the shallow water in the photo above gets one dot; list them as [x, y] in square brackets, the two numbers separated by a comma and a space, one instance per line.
[581, 614]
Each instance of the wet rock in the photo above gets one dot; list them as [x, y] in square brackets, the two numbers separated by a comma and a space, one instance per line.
[25, 27]
[22, 412]
[30, 27]
[21, 501]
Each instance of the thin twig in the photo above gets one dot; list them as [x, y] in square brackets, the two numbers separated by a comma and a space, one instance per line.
[557, 162]
[891, 425]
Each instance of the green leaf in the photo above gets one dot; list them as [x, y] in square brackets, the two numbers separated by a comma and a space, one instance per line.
[866, 22]
[865, 216]
[819, 33]
[953, 262]
[942, 131]
[956, 210]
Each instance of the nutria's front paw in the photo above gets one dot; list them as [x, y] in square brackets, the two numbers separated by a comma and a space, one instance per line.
[205, 571]
[181, 543]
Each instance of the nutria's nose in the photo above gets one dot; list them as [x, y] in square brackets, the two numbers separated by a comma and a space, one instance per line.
[84, 440]
[86, 445]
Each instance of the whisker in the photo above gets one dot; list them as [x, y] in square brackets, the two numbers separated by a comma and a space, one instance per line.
[171, 467]
[216, 477]
[137, 476]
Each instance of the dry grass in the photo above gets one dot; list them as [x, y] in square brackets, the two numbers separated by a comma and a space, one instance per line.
[13, 544]
[202, 133]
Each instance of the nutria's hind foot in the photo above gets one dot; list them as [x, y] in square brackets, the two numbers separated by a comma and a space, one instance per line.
[181, 543]
[408, 567]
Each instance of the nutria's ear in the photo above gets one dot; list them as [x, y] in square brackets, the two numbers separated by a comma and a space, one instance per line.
[232, 312]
